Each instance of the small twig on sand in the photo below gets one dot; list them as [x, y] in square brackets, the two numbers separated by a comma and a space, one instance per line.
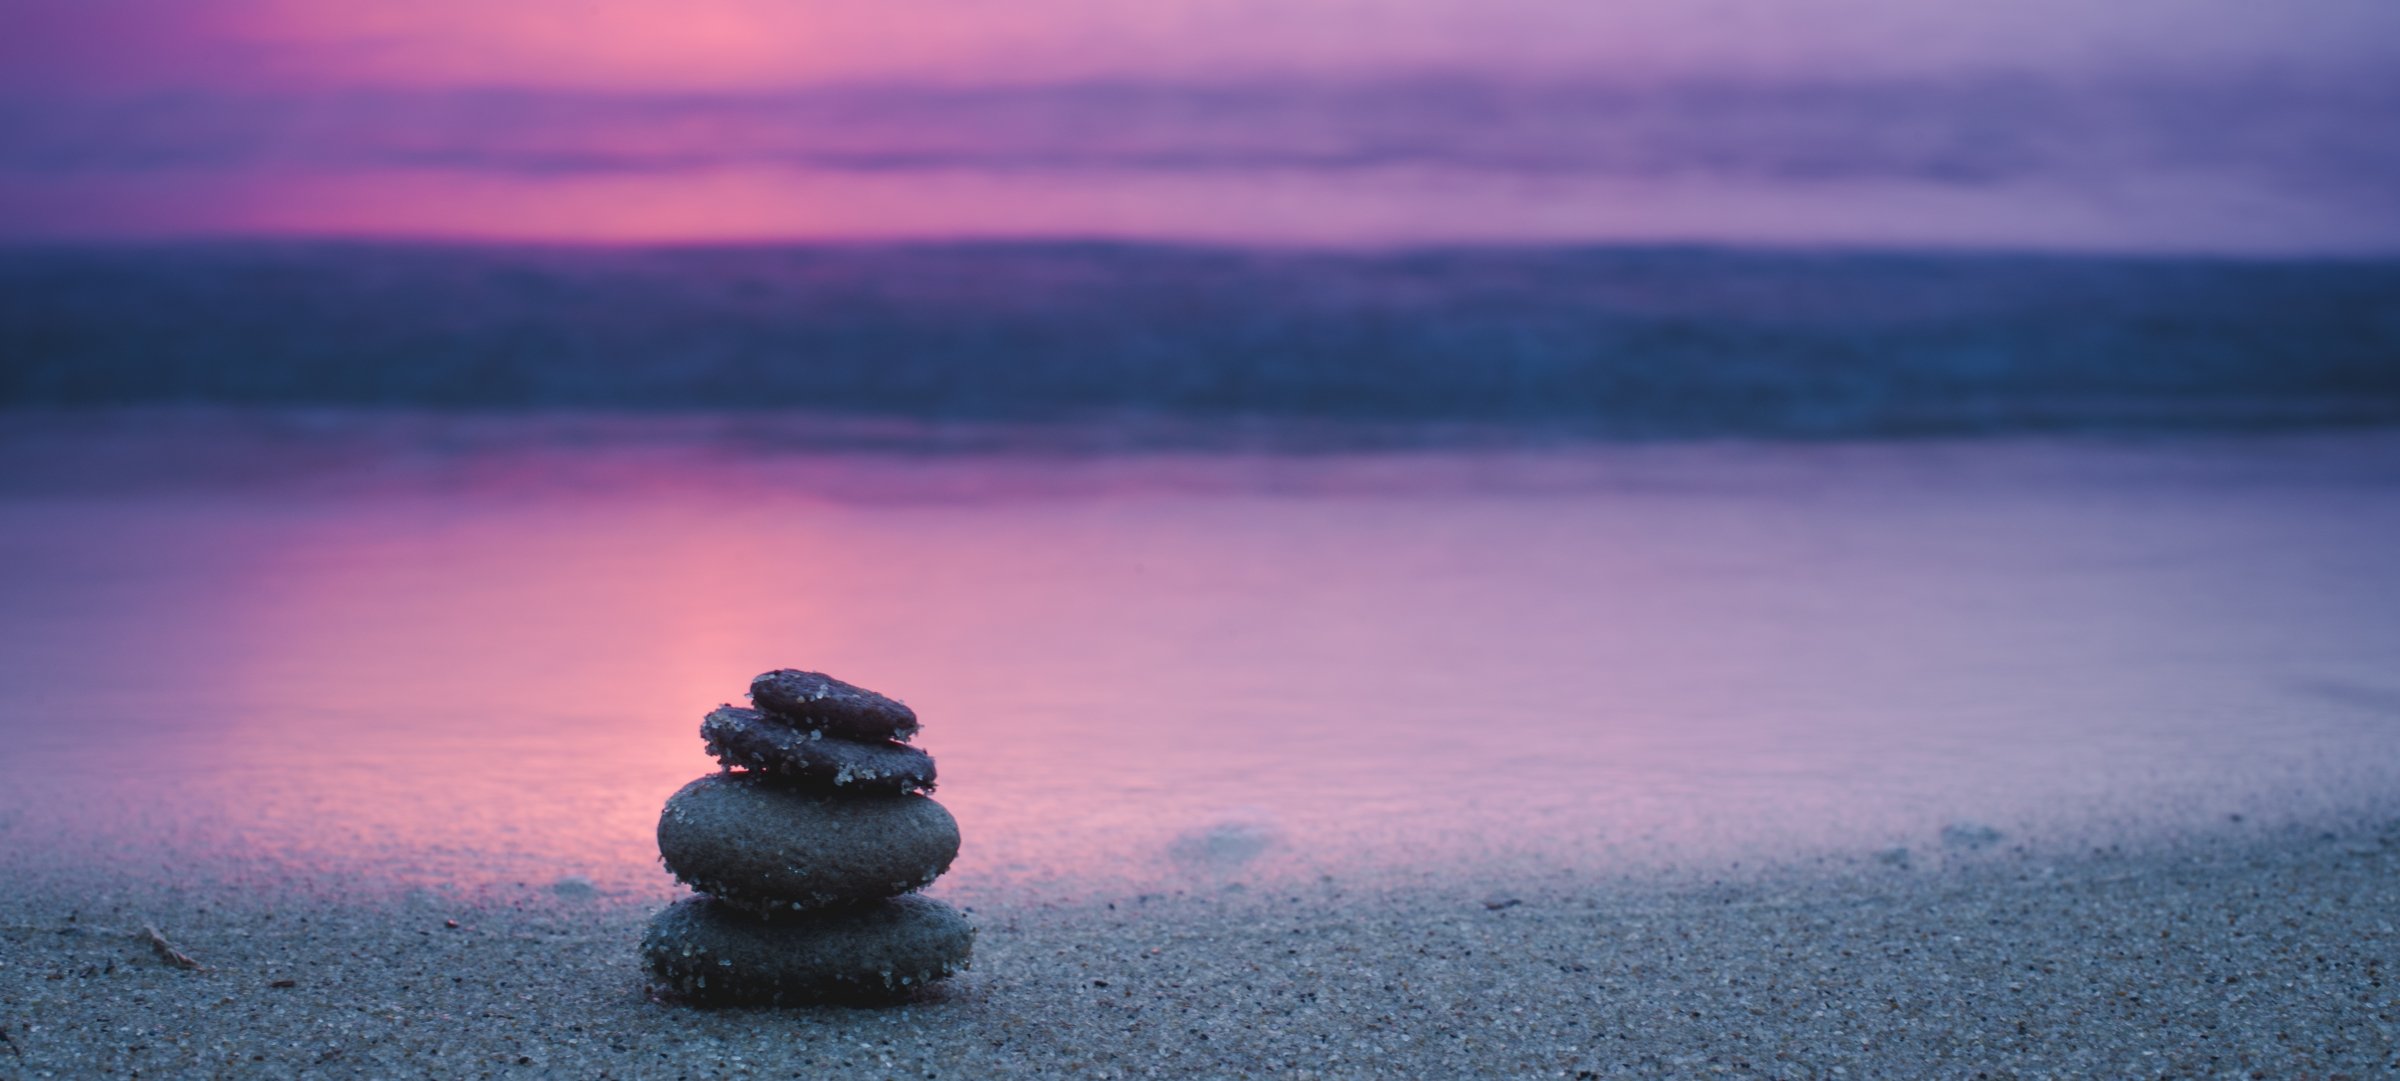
[166, 950]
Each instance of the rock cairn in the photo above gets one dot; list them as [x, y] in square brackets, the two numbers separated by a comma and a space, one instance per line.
[806, 852]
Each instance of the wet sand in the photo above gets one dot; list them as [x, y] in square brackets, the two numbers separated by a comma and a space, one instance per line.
[2262, 954]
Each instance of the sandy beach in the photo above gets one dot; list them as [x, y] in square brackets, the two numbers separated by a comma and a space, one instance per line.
[2233, 956]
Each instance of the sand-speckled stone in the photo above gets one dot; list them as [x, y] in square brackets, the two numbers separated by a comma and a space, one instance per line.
[711, 953]
[763, 843]
[819, 701]
[746, 738]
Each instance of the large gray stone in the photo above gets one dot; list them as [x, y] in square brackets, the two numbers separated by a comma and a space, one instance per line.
[819, 701]
[763, 843]
[715, 954]
[747, 738]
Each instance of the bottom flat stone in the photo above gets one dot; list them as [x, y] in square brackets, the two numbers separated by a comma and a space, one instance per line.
[712, 953]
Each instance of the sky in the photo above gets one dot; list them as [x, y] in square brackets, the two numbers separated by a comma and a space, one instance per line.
[2138, 124]
[719, 44]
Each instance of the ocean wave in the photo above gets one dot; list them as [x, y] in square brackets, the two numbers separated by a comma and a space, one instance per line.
[1607, 342]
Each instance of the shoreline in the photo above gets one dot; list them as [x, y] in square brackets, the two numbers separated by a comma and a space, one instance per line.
[2207, 958]
[350, 456]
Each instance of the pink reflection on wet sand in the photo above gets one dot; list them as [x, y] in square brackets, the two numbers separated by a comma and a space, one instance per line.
[1181, 670]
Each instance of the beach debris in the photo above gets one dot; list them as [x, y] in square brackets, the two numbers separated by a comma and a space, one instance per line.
[1223, 847]
[1499, 901]
[166, 950]
[575, 888]
[1970, 835]
[806, 852]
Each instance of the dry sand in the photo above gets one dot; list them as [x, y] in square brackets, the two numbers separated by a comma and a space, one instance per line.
[2257, 956]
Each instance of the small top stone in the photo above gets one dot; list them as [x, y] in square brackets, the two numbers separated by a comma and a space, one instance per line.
[818, 701]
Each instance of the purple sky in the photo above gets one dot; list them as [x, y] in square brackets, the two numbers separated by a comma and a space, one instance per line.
[71, 45]
[2047, 123]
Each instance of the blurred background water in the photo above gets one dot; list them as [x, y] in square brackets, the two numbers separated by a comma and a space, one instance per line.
[406, 653]
[1149, 341]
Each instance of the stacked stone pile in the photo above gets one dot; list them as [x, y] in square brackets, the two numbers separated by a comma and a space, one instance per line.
[806, 853]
